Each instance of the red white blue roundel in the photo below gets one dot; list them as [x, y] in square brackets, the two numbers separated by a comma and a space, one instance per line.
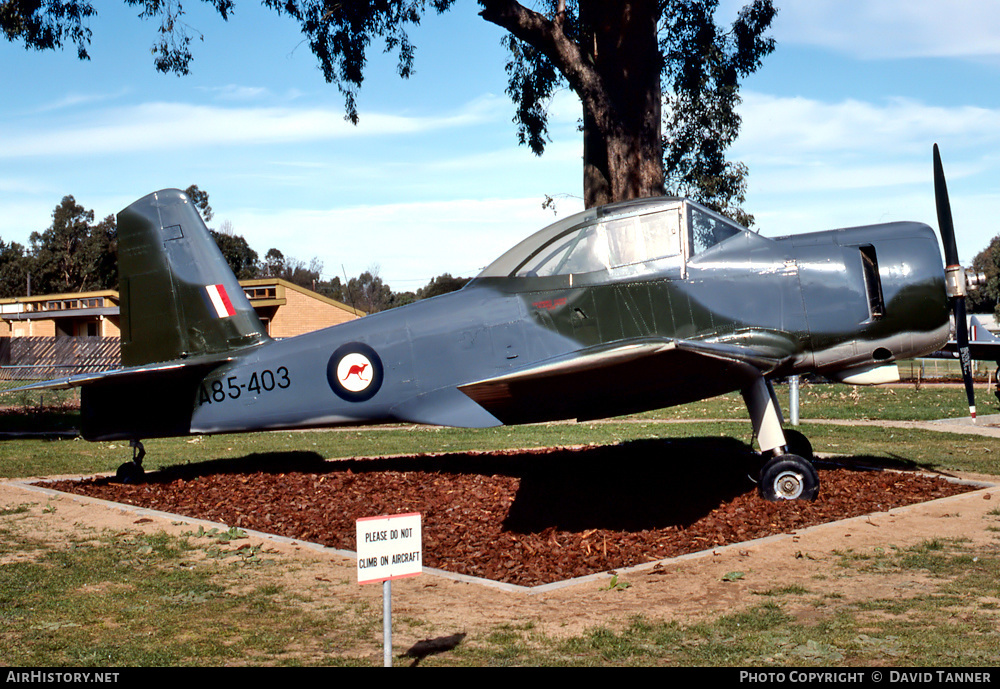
[355, 372]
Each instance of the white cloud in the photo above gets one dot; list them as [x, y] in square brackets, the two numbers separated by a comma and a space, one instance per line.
[236, 92]
[171, 126]
[796, 131]
[893, 28]
[816, 165]
[74, 101]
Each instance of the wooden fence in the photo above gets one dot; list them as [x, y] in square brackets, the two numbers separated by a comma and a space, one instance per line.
[40, 358]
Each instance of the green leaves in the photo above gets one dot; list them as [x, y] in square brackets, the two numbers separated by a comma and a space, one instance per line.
[73, 254]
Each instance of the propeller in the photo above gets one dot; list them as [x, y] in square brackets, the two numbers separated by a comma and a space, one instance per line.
[955, 282]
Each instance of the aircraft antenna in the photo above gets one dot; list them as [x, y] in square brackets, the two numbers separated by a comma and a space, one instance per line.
[347, 286]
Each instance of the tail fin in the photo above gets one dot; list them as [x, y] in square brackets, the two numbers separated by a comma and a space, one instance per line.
[978, 333]
[179, 297]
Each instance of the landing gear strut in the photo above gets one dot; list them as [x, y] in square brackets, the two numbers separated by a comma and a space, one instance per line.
[788, 474]
[132, 472]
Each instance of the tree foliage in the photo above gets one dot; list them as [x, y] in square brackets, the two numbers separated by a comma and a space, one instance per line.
[238, 254]
[340, 33]
[74, 254]
[47, 24]
[295, 271]
[14, 269]
[442, 284]
[368, 293]
[704, 66]
[200, 200]
[986, 299]
[614, 54]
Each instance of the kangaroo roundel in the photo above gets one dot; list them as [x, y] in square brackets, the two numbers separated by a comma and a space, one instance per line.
[355, 372]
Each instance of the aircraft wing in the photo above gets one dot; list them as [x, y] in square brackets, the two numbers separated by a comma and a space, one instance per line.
[602, 381]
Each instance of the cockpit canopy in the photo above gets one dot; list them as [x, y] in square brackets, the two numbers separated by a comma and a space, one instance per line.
[632, 237]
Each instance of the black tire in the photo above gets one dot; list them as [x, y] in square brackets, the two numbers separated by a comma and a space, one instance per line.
[798, 444]
[130, 472]
[788, 477]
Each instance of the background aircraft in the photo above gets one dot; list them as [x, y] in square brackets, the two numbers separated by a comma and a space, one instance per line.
[618, 309]
[983, 346]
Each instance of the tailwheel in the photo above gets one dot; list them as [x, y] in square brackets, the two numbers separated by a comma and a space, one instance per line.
[788, 477]
[132, 472]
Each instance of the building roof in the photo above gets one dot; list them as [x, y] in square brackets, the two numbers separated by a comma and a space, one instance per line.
[262, 292]
[95, 303]
[278, 298]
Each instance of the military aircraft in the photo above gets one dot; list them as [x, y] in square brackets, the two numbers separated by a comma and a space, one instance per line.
[622, 308]
[983, 346]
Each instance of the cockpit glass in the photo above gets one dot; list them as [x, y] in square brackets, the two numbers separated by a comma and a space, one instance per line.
[608, 244]
[581, 251]
[708, 229]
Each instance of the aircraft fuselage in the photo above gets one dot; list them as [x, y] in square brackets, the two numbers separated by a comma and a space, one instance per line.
[827, 302]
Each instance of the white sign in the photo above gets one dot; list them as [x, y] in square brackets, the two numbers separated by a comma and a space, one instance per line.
[389, 547]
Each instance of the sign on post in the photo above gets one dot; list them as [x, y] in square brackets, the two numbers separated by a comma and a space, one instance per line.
[388, 547]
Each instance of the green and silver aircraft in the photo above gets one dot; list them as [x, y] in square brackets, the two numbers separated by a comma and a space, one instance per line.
[618, 309]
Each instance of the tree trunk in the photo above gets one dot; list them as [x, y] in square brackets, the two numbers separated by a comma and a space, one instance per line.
[622, 145]
[615, 70]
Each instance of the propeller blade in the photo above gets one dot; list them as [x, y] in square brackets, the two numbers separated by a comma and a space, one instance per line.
[945, 223]
[962, 338]
[954, 277]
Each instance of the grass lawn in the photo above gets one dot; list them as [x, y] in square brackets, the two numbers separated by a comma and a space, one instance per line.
[127, 598]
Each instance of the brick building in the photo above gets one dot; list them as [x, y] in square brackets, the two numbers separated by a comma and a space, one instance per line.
[84, 314]
[285, 310]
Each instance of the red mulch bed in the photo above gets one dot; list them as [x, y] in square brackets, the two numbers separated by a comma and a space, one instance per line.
[526, 517]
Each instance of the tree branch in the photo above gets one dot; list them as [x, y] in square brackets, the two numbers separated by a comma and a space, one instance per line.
[548, 36]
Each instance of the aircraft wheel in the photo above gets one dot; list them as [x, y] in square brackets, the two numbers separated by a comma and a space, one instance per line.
[788, 477]
[798, 444]
[130, 472]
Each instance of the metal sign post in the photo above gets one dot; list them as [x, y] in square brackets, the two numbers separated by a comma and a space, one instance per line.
[389, 547]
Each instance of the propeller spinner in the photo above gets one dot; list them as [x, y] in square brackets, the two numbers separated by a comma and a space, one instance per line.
[956, 283]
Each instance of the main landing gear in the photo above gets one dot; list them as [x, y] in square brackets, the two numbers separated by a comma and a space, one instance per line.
[132, 472]
[788, 477]
[789, 473]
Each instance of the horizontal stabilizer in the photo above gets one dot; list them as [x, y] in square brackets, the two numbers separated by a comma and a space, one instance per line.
[120, 375]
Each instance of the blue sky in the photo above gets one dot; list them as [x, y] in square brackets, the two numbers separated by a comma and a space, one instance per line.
[838, 126]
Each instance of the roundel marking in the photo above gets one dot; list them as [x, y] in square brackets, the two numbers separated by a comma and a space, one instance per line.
[354, 372]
